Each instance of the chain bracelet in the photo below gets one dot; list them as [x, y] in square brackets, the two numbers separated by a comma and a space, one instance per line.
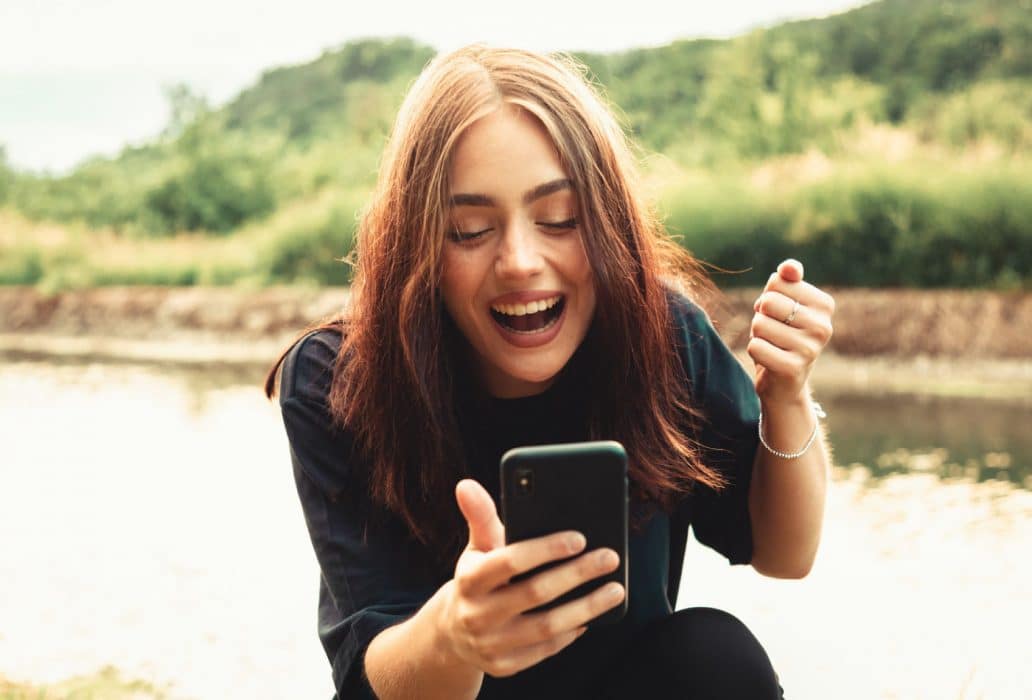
[818, 413]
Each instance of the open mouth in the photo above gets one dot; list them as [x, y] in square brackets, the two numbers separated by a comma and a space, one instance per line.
[535, 317]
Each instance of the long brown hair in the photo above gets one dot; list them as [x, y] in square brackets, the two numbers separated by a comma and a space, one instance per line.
[393, 384]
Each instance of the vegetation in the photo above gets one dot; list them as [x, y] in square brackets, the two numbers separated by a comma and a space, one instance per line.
[878, 225]
[106, 683]
[889, 145]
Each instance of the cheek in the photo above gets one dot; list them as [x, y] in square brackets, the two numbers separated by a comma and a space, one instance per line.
[451, 284]
[582, 274]
[579, 268]
[458, 283]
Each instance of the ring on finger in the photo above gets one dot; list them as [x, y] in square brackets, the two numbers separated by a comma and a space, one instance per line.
[791, 316]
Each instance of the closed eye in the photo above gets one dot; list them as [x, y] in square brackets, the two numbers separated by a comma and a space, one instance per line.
[561, 225]
[472, 236]
[466, 236]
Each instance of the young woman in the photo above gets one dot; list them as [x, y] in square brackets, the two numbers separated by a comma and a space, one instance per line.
[513, 288]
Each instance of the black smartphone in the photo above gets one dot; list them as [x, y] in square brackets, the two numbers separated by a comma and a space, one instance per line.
[578, 486]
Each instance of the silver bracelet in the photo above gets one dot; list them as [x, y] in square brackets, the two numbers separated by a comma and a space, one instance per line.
[818, 413]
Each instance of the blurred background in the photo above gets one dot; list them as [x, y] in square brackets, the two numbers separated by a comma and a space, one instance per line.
[179, 184]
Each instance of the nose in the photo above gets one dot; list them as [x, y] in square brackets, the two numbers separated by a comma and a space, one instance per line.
[519, 255]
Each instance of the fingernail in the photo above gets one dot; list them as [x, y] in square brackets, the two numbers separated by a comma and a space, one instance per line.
[614, 591]
[576, 542]
[791, 262]
[608, 558]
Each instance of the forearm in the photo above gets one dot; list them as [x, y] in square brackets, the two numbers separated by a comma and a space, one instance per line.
[410, 660]
[786, 498]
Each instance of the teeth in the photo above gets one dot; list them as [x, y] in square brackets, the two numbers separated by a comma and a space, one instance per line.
[524, 309]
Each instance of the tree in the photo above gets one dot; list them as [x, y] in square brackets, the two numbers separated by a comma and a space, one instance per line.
[185, 106]
[6, 175]
[731, 105]
[217, 180]
[794, 79]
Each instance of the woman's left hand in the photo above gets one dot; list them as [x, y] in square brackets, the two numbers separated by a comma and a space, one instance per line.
[791, 326]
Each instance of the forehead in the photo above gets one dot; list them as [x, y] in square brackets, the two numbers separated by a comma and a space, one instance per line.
[506, 151]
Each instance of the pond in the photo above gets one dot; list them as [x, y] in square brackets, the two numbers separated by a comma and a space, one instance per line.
[148, 521]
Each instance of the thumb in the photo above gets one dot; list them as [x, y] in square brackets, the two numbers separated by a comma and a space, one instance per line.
[791, 270]
[485, 529]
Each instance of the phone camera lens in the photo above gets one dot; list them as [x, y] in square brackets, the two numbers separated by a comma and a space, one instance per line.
[524, 482]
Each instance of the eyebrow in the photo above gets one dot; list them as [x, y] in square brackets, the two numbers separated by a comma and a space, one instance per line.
[482, 200]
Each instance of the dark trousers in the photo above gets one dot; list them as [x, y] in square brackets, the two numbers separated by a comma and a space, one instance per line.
[694, 654]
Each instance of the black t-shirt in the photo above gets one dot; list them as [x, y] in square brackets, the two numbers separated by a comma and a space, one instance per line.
[374, 577]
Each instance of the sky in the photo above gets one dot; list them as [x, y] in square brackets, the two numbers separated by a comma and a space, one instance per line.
[80, 78]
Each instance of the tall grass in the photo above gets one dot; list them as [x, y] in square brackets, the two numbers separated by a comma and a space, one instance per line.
[105, 684]
[921, 222]
[905, 225]
[302, 243]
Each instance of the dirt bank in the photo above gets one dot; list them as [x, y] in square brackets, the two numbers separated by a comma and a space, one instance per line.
[911, 323]
[901, 341]
[884, 323]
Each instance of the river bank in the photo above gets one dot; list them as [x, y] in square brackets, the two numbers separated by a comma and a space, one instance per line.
[942, 342]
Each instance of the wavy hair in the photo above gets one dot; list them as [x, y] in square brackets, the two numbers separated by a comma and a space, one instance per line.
[393, 384]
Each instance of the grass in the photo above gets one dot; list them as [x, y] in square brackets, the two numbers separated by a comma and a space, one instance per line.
[302, 243]
[925, 221]
[916, 214]
[105, 684]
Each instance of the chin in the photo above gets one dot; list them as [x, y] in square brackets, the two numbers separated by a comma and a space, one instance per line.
[538, 373]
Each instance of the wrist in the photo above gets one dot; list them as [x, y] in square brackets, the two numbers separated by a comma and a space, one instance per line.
[416, 655]
[800, 402]
[804, 412]
[446, 656]
[442, 642]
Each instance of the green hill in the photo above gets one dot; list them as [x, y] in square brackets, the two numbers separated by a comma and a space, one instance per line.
[320, 97]
[949, 74]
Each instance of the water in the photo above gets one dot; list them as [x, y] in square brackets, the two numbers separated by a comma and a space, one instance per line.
[148, 520]
[923, 583]
[978, 440]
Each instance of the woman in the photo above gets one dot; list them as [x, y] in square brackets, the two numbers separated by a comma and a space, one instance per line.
[513, 288]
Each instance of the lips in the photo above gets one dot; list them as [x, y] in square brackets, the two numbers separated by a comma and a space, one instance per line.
[525, 297]
[527, 322]
[533, 317]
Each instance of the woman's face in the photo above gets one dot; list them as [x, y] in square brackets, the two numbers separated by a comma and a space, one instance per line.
[516, 279]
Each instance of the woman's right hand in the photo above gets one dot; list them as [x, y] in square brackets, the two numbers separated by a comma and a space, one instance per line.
[481, 619]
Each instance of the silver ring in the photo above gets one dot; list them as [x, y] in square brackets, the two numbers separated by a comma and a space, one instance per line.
[795, 307]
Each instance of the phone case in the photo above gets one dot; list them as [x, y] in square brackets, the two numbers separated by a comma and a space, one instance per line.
[574, 486]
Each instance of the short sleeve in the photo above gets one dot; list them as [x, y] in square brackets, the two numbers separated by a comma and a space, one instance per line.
[725, 394]
[370, 578]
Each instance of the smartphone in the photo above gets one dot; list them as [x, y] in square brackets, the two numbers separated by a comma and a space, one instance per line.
[578, 486]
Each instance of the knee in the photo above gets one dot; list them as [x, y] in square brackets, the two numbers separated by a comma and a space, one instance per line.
[715, 654]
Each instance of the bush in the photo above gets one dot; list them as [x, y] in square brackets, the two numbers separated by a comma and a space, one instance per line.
[307, 244]
[728, 226]
[909, 227]
[21, 265]
[211, 194]
[997, 111]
